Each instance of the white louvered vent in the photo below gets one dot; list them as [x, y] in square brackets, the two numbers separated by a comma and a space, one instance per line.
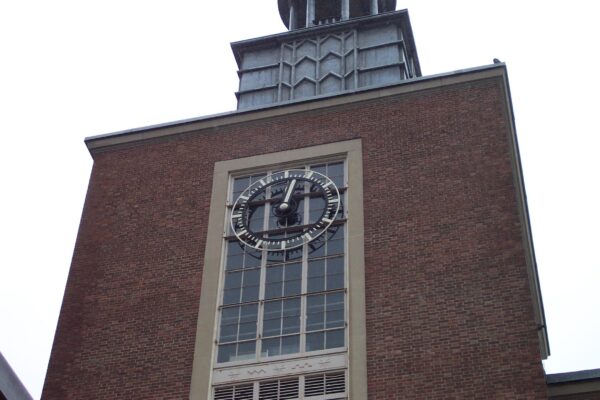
[238, 392]
[319, 385]
[325, 386]
[284, 389]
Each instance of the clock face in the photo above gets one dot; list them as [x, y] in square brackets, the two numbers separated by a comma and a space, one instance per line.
[286, 209]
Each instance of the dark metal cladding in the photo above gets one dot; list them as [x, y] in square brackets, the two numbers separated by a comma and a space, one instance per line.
[328, 59]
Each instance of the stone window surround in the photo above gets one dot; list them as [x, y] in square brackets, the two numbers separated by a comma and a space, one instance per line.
[206, 325]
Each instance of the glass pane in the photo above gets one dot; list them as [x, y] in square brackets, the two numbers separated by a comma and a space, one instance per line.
[230, 315]
[294, 254]
[316, 279]
[234, 261]
[256, 178]
[275, 274]
[250, 293]
[335, 319]
[273, 290]
[239, 185]
[300, 211]
[317, 203]
[319, 168]
[317, 207]
[292, 288]
[335, 282]
[315, 303]
[231, 296]
[293, 276]
[335, 273]
[272, 318]
[335, 246]
[315, 285]
[252, 277]
[253, 257]
[247, 331]
[335, 301]
[291, 307]
[274, 257]
[290, 344]
[334, 339]
[272, 309]
[274, 287]
[315, 341]
[270, 347]
[315, 312]
[246, 351]
[340, 214]
[315, 215]
[316, 268]
[228, 333]
[335, 169]
[272, 327]
[335, 233]
[233, 280]
[335, 265]
[273, 222]
[316, 248]
[293, 271]
[314, 322]
[234, 248]
[248, 313]
[291, 325]
[226, 353]
[256, 218]
[235, 255]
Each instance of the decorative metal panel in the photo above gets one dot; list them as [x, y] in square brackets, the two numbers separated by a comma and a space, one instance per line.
[324, 62]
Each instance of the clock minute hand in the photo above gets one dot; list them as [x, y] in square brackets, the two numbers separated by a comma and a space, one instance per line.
[288, 193]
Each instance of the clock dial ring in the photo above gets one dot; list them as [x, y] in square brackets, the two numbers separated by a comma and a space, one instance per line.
[280, 194]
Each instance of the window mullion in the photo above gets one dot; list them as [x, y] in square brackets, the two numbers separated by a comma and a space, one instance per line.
[255, 390]
[261, 307]
[304, 284]
[303, 290]
[301, 388]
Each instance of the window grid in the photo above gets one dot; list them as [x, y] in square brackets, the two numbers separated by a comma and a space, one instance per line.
[243, 265]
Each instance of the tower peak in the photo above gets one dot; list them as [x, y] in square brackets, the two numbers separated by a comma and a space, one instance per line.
[297, 14]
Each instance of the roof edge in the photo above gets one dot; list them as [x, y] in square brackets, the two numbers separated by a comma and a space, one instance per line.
[573, 376]
[574, 383]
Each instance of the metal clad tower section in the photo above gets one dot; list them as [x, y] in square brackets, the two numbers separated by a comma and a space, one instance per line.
[332, 47]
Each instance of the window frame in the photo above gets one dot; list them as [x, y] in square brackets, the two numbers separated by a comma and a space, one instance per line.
[303, 259]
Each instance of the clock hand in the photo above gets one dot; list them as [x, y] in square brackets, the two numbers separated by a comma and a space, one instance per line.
[288, 193]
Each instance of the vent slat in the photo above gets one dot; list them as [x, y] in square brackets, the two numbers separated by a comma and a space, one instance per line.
[224, 393]
[239, 392]
[335, 383]
[287, 389]
[245, 392]
[319, 385]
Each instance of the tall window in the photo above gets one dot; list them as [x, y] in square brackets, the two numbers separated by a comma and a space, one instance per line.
[284, 304]
[291, 304]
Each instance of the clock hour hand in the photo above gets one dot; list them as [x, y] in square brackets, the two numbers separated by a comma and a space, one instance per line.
[285, 204]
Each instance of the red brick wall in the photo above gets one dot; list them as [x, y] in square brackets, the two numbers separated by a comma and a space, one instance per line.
[449, 313]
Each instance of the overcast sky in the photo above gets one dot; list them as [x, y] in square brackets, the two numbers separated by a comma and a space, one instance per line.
[71, 69]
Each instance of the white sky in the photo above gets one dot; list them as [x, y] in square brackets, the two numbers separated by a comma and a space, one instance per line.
[71, 69]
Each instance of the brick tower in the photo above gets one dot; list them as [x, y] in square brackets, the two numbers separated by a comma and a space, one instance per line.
[353, 230]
